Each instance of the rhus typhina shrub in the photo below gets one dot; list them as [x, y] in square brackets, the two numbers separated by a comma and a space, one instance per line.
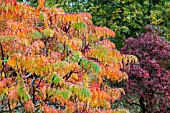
[54, 62]
[149, 81]
[126, 17]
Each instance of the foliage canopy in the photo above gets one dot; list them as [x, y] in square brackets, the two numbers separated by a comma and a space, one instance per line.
[52, 61]
[126, 17]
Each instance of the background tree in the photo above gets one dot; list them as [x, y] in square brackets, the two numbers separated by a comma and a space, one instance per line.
[149, 81]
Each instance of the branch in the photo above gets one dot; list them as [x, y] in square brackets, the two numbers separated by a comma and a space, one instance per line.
[111, 1]
[47, 45]
[33, 89]
[3, 64]
[67, 76]
[14, 83]
[20, 101]
[132, 103]
[10, 110]
[7, 111]
[39, 82]
[4, 104]
[28, 75]
[4, 111]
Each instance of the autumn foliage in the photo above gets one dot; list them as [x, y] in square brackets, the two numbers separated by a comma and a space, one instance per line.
[53, 61]
[148, 86]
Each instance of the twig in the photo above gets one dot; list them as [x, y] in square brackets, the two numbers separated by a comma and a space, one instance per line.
[3, 64]
[67, 76]
[132, 103]
[33, 89]
[9, 106]
[29, 75]
[39, 82]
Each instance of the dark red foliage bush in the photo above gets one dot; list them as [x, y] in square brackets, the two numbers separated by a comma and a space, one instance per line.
[149, 81]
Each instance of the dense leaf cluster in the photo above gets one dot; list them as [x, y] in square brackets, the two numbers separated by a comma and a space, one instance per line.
[126, 17]
[55, 62]
[149, 81]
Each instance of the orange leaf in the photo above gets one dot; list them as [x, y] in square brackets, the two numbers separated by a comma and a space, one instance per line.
[29, 106]
[40, 5]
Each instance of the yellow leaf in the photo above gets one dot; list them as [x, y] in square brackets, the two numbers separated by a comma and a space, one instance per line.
[12, 62]
[3, 75]
[74, 76]
[86, 79]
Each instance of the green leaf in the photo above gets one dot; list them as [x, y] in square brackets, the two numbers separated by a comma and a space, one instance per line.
[7, 7]
[5, 59]
[58, 92]
[7, 38]
[94, 67]
[26, 97]
[73, 88]
[82, 61]
[59, 47]
[48, 32]
[50, 92]
[93, 38]
[37, 34]
[79, 25]
[60, 64]
[76, 57]
[84, 92]
[66, 94]
[56, 79]
[42, 17]
[86, 63]
[20, 91]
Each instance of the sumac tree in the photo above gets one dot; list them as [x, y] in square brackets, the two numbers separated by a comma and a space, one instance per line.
[52, 61]
[126, 17]
[149, 81]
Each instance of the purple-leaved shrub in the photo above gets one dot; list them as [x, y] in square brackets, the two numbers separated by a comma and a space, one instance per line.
[149, 81]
